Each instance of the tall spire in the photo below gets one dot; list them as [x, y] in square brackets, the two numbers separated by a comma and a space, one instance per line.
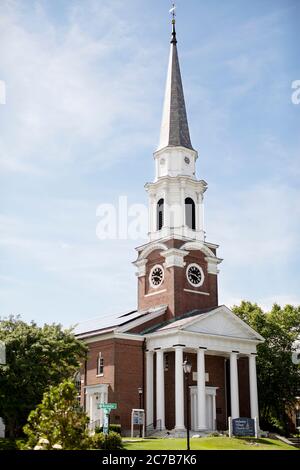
[174, 127]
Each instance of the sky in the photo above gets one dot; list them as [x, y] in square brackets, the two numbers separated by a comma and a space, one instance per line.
[84, 83]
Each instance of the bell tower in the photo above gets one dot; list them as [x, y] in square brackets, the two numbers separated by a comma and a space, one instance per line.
[177, 267]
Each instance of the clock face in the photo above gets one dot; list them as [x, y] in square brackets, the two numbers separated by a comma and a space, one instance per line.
[194, 274]
[187, 160]
[156, 275]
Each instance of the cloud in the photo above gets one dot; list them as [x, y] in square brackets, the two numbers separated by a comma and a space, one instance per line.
[69, 88]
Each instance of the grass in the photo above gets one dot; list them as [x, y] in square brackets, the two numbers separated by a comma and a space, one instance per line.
[207, 443]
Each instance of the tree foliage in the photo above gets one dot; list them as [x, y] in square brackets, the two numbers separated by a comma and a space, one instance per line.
[58, 422]
[278, 377]
[37, 357]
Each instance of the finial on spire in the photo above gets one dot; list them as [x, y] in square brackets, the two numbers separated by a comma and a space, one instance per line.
[173, 11]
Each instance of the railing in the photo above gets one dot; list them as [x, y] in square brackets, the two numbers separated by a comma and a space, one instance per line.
[153, 428]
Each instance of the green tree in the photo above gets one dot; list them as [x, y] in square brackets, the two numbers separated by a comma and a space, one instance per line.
[277, 376]
[37, 357]
[58, 422]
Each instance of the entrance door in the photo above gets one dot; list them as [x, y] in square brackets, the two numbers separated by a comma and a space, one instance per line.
[210, 406]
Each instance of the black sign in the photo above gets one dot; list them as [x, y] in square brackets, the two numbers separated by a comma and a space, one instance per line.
[243, 427]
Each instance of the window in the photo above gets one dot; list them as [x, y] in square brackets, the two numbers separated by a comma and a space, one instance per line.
[190, 213]
[160, 214]
[297, 414]
[166, 358]
[100, 364]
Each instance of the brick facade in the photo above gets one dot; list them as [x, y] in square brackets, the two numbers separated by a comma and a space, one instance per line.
[175, 290]
[124, 372]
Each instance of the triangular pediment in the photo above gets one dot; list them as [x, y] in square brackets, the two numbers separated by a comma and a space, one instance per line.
[222, 322]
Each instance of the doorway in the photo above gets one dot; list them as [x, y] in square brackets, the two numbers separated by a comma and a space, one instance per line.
[210, 407]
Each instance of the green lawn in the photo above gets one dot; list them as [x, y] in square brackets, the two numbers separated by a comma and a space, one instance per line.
[207, 443]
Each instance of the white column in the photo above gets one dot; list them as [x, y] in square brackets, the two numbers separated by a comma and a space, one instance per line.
[200, 213]
[91, 408]
[201, 389]
[253, 388]
[149, 385]
[179, 389]
[234, 386]
[182, 199]
[160, 387]
[214, 412]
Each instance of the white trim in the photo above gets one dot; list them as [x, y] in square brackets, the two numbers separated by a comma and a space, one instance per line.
[201, 271]
[155, 293]
[196, 245]
[174, 257]
[196, 292]
[156, 266]
[178, 331]
[141, 267]
[149, 248]
[110, 335]
[226, 310]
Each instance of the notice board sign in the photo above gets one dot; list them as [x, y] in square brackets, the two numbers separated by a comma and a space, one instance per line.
[243, 427]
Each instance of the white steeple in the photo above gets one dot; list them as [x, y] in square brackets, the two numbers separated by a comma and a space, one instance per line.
[176, 196]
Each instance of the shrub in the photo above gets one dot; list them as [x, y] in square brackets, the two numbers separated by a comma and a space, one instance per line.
[112, 428]
[58, 423]
[111, 441]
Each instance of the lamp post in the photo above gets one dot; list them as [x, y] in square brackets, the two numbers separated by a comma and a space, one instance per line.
[140, 390]
[187, 367]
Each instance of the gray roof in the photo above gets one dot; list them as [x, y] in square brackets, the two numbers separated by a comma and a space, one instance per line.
[174, 127]
[108, 321]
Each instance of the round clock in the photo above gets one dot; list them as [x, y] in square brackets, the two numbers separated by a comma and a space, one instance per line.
[156, 276]
[194, 274]
[187, 160]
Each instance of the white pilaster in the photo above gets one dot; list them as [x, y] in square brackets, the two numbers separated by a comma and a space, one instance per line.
[201, 389]
[149, 385]
[253, 388]
[160, 388]
[182, 200]
[91, 410]
[234, 386]
[179, 389]
[200, 224]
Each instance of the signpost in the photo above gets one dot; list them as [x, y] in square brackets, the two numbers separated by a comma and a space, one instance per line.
[106, 423]
[243, 427]
[106, 407]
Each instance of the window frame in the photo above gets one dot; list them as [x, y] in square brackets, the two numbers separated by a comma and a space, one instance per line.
[188, 201]
[100, 365]
[160, 214]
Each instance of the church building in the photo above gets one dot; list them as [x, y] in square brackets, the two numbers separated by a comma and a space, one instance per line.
[135, 359]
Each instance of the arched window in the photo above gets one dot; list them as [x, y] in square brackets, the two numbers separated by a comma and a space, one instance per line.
[160, 214]
[100, 364]
[190, 213]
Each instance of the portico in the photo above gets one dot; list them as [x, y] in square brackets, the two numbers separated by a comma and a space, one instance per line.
[218, 333]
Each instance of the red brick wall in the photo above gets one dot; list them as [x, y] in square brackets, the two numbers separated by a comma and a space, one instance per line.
[244, 391]
[123, 372]
[128, 378]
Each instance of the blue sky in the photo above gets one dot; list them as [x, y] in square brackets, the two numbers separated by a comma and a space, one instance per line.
[84, 89]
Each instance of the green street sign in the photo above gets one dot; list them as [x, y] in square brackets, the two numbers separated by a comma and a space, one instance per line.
[107, 406]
